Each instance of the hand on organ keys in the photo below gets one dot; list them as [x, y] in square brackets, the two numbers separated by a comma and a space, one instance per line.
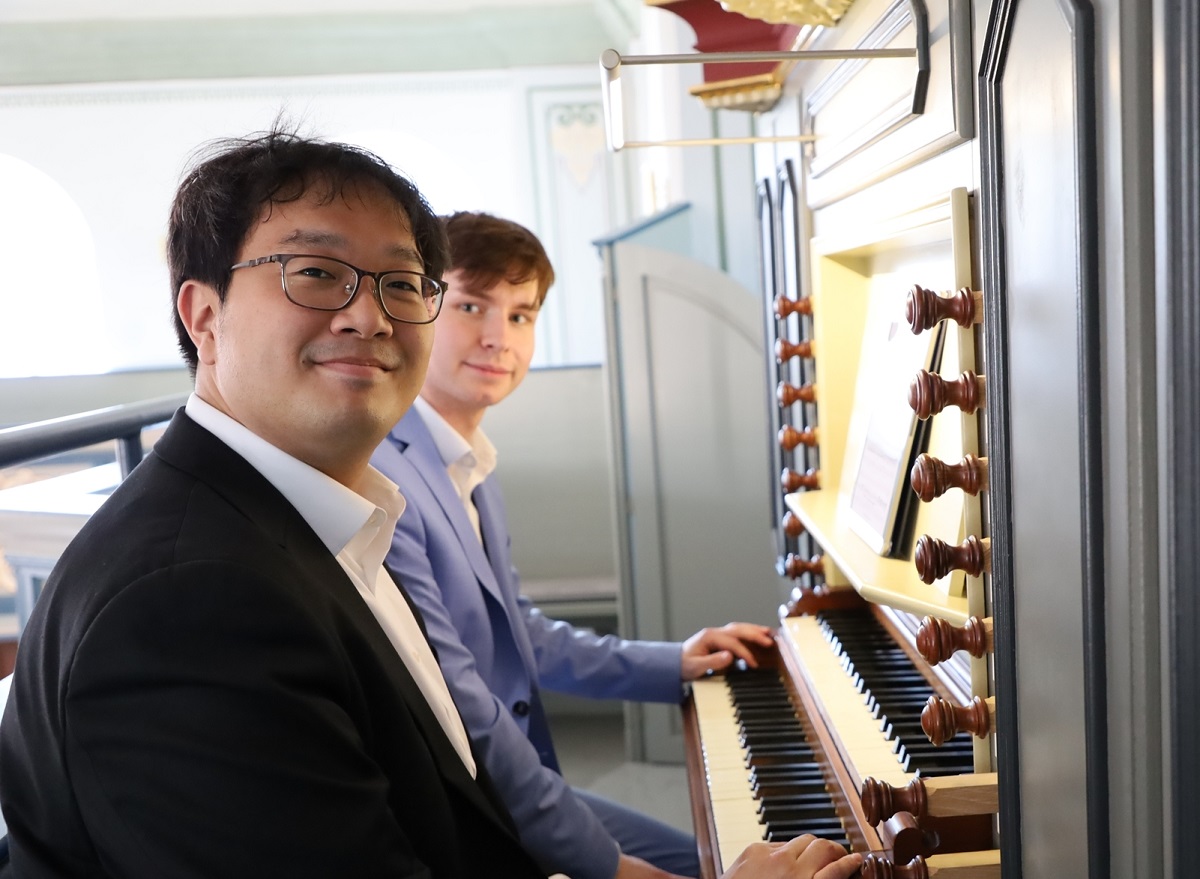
[805, 857]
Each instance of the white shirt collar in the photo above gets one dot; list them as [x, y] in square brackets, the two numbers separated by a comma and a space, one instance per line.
[477, 454]
[336, 513]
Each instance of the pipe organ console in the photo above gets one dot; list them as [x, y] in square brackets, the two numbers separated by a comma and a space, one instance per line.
[864, 729]
[875, 724]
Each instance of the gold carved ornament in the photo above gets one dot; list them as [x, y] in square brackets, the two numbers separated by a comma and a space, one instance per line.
[798, 12]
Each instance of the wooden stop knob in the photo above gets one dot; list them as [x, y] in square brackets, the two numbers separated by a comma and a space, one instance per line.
[785, 306]
[794, 566]
[819, 598]
[788, 394]
[925, 309]
[793, 481]
[938, 640]
[929, 393]
[942, 720]
[946, 796]
[785, 350]
[935, 558]
[789, 437]
[932, 477]
[792, 526]
[876, 867]
[955, 865]
[881, 801]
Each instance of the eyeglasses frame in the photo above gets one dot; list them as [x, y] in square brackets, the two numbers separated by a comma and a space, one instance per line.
[359, 274]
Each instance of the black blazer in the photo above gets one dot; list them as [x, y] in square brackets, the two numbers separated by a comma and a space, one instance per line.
[201, 692]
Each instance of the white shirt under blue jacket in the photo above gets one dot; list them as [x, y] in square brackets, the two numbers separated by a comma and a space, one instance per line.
[495, 649]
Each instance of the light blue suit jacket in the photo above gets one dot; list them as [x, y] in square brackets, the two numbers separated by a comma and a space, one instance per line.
[495, 649]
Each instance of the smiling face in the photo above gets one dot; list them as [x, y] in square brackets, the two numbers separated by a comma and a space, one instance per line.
[323, 386]
[481, 349]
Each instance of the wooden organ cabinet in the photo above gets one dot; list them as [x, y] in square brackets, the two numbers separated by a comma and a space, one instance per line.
[932, 295]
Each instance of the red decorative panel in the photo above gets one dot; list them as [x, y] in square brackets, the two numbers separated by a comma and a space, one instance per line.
[718, 30]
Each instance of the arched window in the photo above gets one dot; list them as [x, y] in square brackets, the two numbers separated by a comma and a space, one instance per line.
[51, 319]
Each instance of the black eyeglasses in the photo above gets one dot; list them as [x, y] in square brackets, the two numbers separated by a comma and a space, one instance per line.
[328, 284]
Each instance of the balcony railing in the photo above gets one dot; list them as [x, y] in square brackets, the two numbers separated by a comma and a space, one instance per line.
[124, 423]
[40, 440]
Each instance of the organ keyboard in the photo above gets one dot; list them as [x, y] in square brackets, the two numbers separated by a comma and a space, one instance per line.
[786, 750]
[736, 785]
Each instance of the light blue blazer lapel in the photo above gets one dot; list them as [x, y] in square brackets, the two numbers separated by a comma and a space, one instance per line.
[494, 525]
[421, 448]
[493, 567]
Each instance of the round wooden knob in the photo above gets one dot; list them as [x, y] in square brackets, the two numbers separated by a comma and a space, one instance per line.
[876, 867]
[788, 394]
[785, 306]
[785, 350]
[794, 566]
[881, 801]
[792, 526]
[908, 839]
[938, 640]
[932, 477]
[942, 720]
[793, 481]
[925, 309]
[789, 437]
[929, 394]
[951, 865]
[935, 558]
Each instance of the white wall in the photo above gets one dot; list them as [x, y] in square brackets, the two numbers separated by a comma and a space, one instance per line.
[94, 295]
[85, 287]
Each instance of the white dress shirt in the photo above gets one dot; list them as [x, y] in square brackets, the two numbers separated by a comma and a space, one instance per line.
[468, 462]
[357, 529]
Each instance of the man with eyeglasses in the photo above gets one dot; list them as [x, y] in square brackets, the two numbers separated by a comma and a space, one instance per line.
[220, 678]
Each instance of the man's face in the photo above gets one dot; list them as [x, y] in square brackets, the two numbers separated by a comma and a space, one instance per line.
[481, 349]
[322, 386]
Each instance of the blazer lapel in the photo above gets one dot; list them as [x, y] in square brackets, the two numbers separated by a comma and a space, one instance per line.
[480, 789]
[491, 562]
[495, 537]
[191, 448]
[427, 461]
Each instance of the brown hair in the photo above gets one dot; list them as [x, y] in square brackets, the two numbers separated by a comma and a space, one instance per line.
[488, 249]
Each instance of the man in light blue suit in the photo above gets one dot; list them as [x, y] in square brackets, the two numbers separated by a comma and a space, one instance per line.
[451, 551]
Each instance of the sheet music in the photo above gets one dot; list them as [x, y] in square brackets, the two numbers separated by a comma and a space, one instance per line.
[886, 424]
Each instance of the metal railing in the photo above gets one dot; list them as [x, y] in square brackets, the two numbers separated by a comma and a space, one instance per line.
[123, 423]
